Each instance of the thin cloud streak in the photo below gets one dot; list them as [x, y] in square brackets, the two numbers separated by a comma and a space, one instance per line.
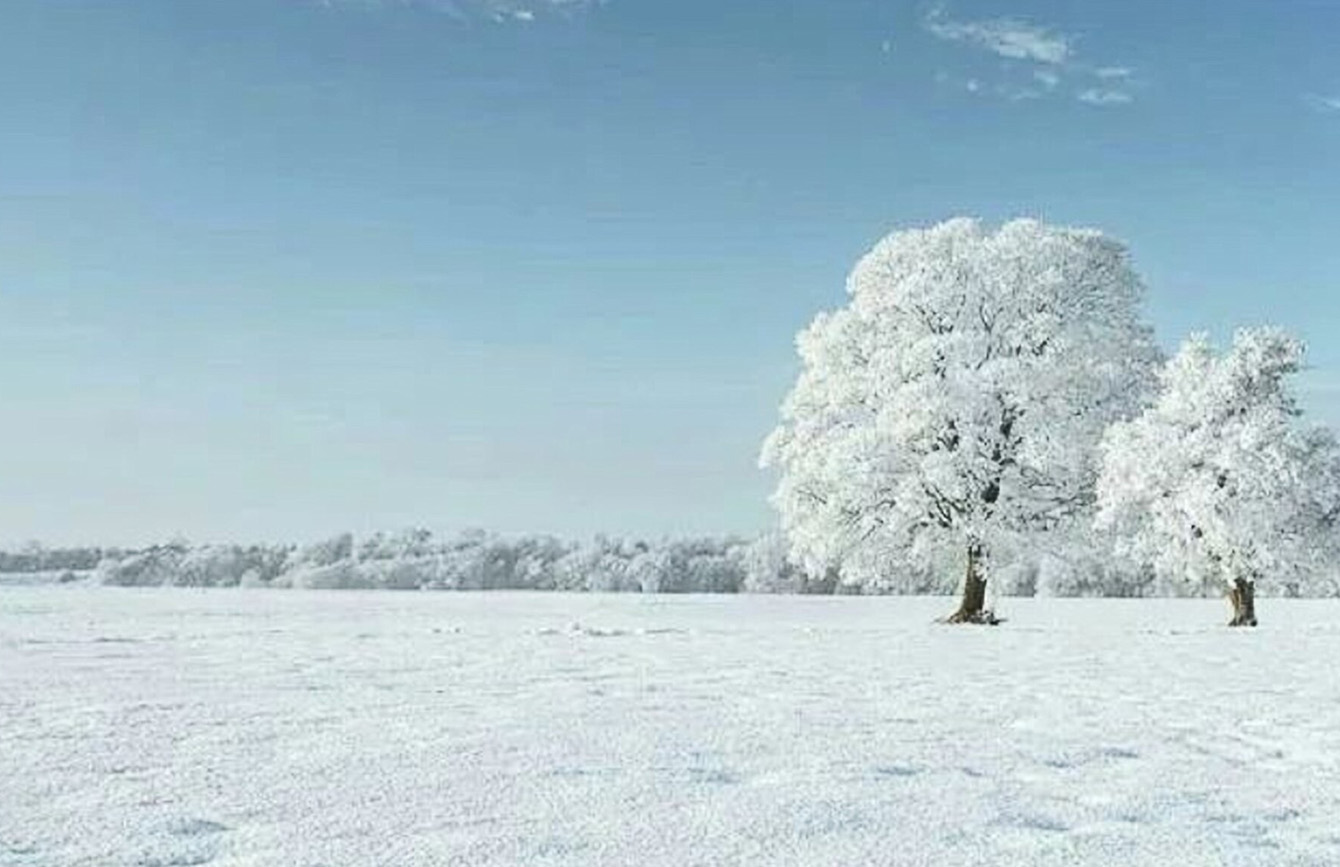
[521, 11]
[1323, 104]
[1100, 96]
[1007, 37]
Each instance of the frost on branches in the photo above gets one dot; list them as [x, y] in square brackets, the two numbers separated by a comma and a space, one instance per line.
[951, 410]
[1217, 483]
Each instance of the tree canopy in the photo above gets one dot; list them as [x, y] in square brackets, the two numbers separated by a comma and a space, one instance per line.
[954, 403]
[1218, 481]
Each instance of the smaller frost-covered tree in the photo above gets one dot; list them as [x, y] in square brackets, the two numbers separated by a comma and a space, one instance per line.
[1217, 483]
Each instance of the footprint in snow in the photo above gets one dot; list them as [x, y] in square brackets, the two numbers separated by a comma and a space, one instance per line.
[1118, 753]
[185, 842]
[896, 771]
[1033, 822]
[195, 827]
[713, 775]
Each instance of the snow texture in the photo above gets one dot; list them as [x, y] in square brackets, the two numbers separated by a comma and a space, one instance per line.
[177, 727]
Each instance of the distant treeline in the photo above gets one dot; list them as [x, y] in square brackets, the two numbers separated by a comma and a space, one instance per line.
[476, 560]
[416, 559]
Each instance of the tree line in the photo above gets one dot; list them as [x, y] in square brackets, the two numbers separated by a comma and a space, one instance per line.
[417, 559]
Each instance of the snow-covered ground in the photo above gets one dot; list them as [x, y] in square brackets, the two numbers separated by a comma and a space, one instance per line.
[172, 727]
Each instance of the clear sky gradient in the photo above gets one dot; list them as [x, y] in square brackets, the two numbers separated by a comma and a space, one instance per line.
[271, 269]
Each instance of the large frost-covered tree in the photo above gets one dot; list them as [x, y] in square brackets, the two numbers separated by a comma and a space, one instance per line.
[1217, 483]
[953, 406]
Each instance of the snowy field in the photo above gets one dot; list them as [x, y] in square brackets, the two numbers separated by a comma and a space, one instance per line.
[175, 727]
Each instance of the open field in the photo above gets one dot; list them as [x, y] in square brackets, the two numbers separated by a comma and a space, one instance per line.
[175, 727]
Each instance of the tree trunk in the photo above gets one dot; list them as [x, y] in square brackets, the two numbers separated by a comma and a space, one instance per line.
[1243, 597]
[973, 607]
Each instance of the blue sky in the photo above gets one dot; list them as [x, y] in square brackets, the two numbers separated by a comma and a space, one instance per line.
[271, 269]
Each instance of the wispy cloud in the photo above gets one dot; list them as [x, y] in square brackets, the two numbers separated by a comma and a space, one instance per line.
[1324, 104]
[522, 11]
[1035, 60]
[1101, 96]
[1007, 37]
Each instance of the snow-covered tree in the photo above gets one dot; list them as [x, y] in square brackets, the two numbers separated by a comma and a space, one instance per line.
[1218, 483]
[149, 568]
[768, 569]
[954, 404]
